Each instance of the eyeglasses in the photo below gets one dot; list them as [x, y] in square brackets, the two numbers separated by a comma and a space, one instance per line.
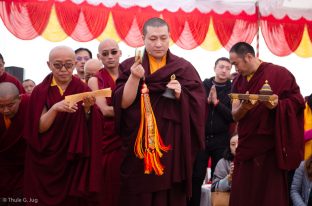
[59, 66]
[112, 52]
[79, 58]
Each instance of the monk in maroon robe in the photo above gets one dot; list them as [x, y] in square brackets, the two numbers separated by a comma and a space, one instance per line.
[109, 54]
[5, 77]
[12, 144]
[180, 120]
[270, 133]
[58, 167]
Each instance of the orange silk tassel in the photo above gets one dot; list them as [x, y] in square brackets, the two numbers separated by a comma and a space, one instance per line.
[149, 146]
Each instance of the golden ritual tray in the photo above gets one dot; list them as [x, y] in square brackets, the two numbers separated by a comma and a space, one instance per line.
[253, 98]
[266, 95]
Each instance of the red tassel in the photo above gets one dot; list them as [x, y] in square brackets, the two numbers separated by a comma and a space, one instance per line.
[153, 146]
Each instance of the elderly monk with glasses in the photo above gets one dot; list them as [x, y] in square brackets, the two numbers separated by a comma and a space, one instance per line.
[59, 159]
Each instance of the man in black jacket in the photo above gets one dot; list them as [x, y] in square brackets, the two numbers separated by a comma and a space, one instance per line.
[219, 119]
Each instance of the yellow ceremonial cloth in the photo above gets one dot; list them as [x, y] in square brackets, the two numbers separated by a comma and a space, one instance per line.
[155, 65]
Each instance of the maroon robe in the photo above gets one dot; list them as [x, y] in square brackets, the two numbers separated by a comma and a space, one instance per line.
[270, 141]
[59, 162]
[111, 149]
[6, 77]
[180, 123]
[12, 152]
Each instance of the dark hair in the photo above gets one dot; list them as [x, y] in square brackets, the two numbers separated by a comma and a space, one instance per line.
[227, 152]
[84, 49]
[1, 57]
[242, 48]
[222, 59]
[154, 22]
[308, 167]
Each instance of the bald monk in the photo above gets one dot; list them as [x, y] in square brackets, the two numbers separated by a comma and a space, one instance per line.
[91, 67]
[109, 53]
[12, 144]
[59, 155]
[6, 77]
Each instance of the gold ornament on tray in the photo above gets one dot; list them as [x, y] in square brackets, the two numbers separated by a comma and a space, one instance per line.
[266, 95]
[266, 89]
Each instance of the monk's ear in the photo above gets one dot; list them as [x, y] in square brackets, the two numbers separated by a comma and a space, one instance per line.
[99, 57]
[249, 57]
[48, 63]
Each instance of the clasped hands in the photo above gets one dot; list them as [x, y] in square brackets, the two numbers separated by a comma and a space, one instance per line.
[213, 98]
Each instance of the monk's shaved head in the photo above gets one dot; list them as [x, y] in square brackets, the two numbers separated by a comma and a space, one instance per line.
[109, 54]
[8, 89]
[93, 64]
[61, 50]
[107, 43]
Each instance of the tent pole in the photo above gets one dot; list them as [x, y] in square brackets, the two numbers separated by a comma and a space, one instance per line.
[258, 26]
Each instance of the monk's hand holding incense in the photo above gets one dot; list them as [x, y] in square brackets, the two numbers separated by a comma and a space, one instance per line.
[132, 84]
[137, 71]
[272, 104]
[176, 87]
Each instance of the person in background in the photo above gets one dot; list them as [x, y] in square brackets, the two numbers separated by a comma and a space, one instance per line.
[28, 85]
[301, 186]
[158, 169]
[82, 56]
[13, 108]
[91, 67]
[217, 125]
[6, 77]
[109, 53]
[270, 132]
[222, 178]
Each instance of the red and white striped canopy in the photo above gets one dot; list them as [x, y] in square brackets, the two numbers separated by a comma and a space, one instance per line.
[211, 24]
